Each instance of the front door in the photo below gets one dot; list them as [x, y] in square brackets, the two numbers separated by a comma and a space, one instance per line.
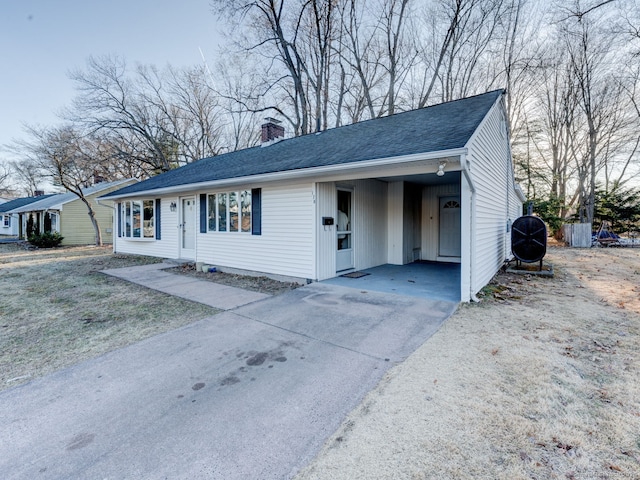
[344, 256]
[188, 228]
[449, 244]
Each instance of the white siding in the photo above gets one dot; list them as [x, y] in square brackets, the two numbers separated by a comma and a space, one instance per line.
[166, 247]
[395, 230]
[411, 234]
[369, 225]
[327, 206]
[515, 212]
[431, 217]
[14, 222]
[286, 246]
[494, 200]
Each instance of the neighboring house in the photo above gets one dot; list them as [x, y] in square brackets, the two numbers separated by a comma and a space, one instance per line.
[432, 184]
[10, 223]
[5, 220]
[69, 215]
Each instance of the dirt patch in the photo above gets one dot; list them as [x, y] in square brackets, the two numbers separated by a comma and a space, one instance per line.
[58, 309]
[246, 282]
[540, 380]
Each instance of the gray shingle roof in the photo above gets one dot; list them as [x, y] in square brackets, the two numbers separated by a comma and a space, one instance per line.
[21, 202]
[431, 129]
[54, 202]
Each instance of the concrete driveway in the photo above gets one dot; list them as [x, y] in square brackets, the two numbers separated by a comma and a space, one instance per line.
[251, 393]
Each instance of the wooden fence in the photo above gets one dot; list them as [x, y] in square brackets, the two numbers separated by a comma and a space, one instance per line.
[577, 234]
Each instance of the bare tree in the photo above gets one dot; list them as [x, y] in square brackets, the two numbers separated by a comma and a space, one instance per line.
[361, 61]
[555, 131]
[277, 31]
[321, 24]
[109, 100]
[185, 109]
[239, 87]
[590, 58]
[580, 129]
[5, 176]
[70, 159]
[400, 53]
[296, 41]
[453, 12]
[166, 118]
[28, 175]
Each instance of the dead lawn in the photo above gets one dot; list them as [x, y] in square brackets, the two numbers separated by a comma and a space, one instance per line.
[57, 309]
[541, 380]
[538, 381]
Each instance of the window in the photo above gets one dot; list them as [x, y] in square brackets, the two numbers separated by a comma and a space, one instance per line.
[245, 208]
[233, 212]
[222, 212]
[7, 220]
[138, 219]
[149, 230]
[229, 212]
[212, 213]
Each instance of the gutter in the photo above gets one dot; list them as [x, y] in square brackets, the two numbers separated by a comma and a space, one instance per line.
[103, 205]
[294, 174]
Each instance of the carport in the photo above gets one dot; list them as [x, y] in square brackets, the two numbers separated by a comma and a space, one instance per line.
[421, 279]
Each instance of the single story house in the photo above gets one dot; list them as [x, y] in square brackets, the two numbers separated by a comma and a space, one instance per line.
[432, 184]
[10, 223]
[69, 215]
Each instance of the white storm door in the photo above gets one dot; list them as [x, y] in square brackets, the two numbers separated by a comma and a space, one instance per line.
[450, 241]
[188, 228]
[344, 255]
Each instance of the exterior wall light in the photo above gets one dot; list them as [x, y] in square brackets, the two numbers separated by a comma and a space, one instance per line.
[173, 207]
[440, 171]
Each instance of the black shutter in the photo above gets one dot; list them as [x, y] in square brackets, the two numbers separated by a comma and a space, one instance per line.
[256, 211]
[119, 217]
[157, 219]
[203, 213]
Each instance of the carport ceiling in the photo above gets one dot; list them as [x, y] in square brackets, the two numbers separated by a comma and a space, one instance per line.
[426, 178]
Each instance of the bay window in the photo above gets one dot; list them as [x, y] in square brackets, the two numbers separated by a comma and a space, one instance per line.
[138, 219]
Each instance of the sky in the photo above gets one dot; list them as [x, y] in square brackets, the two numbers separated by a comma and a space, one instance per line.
[42, 40]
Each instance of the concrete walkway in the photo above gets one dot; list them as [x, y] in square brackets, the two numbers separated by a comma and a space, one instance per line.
[4, 239]
[202, 291]
[252, 392]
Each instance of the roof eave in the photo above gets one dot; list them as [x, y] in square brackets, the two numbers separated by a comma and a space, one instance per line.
[70, 197]
[294, 174]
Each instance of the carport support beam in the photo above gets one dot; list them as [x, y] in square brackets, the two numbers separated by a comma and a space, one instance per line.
[468, 228]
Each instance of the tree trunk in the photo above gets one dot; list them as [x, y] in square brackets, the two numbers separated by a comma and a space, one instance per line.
[94, 221]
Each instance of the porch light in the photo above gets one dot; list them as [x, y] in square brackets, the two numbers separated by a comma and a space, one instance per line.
[173, 207]
[440, 171]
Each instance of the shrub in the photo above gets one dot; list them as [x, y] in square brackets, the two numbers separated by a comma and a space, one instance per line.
[47, 222]
[31, 229]
[46, 240]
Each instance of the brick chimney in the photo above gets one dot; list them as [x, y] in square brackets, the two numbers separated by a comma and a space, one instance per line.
[38, 193]
[271, 130]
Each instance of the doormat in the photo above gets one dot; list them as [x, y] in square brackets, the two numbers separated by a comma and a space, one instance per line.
[355, 274]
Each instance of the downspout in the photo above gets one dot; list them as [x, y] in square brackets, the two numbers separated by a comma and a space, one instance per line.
[510, 180]
[114, 225]
[464, 164]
